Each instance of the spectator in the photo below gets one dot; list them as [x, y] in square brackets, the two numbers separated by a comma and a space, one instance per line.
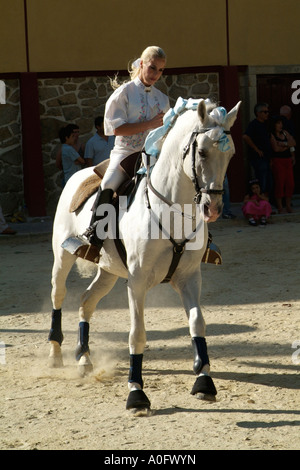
[99, 146]
[79, 147]
[71, 160]
[257, 139]
[283, 145]
[227, 214]
[256, 207]
[4, 228]
[288, 124]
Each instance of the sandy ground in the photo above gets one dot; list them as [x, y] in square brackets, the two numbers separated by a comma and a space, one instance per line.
[252, 309]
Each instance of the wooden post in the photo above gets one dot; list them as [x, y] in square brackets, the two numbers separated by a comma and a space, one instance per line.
[34, 187]
[229, 97]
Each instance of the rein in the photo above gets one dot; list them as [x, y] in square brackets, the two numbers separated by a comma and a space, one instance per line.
[159, 195]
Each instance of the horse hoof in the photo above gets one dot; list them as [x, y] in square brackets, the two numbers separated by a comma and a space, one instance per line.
[55, 359]
[140, 413]
[55, 362]
[204, 388]
[206, 397]
[85, 370]
[85, 367]
[138, 403]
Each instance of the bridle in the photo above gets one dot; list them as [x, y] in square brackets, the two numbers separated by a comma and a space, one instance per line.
[198, 189]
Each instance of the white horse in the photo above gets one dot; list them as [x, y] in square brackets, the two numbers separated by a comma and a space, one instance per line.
[192, 160]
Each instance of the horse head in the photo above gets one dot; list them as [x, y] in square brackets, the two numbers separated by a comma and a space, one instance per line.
[209, 151]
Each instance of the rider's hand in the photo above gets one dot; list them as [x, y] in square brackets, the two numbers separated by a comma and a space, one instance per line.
[157, 121]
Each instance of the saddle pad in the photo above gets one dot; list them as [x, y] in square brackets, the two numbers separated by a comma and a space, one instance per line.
[85, 190]
[101, 168]
[89, 186]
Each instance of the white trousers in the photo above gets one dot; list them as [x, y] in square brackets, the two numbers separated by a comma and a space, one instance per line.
[114, 175]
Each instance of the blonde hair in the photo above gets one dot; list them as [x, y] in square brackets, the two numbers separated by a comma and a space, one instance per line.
[151, 52]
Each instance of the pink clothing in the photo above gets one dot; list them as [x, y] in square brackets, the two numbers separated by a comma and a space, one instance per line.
[263, 208]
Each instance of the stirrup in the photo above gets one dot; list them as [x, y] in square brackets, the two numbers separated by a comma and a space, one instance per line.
[212, 254]
[80, 247]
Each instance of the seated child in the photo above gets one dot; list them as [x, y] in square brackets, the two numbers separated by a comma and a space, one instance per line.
[256, 205]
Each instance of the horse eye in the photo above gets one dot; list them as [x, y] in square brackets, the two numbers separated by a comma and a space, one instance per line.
[202, 153]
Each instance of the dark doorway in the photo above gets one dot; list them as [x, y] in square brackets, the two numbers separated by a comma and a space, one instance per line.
[276, 90]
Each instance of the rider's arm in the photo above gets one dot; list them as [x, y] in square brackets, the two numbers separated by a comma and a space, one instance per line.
[137, 127]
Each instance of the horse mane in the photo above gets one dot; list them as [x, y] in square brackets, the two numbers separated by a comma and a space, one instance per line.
[210, 105]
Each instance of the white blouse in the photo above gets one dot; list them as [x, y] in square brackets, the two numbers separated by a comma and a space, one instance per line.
[131, 103]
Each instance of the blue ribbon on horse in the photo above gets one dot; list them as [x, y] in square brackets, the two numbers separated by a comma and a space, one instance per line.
[217, 133]
[224, 143]
[153, 141]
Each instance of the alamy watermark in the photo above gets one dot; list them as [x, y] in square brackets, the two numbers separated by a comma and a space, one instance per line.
[296, 354]
[296, 94]
[2, 353]
[160, 223]
[2, 92]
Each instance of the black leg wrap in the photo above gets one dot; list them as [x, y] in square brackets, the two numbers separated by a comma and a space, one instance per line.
[200, 354]
[204, 384]
[55, 333]
[83, 340]
[135, 370]
[137, 399]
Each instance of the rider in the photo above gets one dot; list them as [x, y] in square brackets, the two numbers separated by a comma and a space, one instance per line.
[134, 108]
[132, 111]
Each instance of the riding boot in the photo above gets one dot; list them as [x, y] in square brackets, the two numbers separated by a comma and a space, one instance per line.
[212, 253]
[103, 197]
[88, 245]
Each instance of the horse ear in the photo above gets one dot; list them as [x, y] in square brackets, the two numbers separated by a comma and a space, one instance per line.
[202, 113]
[231, 116]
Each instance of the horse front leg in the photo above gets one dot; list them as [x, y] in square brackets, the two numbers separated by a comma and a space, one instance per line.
[137, 400]
[204, 387]
[101, 285]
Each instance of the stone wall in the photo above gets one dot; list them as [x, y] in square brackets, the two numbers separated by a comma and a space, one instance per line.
[11, 165]
[70, 100]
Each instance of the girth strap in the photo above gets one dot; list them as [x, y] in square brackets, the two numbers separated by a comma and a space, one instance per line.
[178, 248]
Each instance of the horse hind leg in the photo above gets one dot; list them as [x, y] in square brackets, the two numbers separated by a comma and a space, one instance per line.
[55, 338]
[62, 265]
[101, 286]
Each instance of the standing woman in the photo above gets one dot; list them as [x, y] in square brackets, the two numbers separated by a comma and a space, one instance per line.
[283, 160]
[132, 111]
